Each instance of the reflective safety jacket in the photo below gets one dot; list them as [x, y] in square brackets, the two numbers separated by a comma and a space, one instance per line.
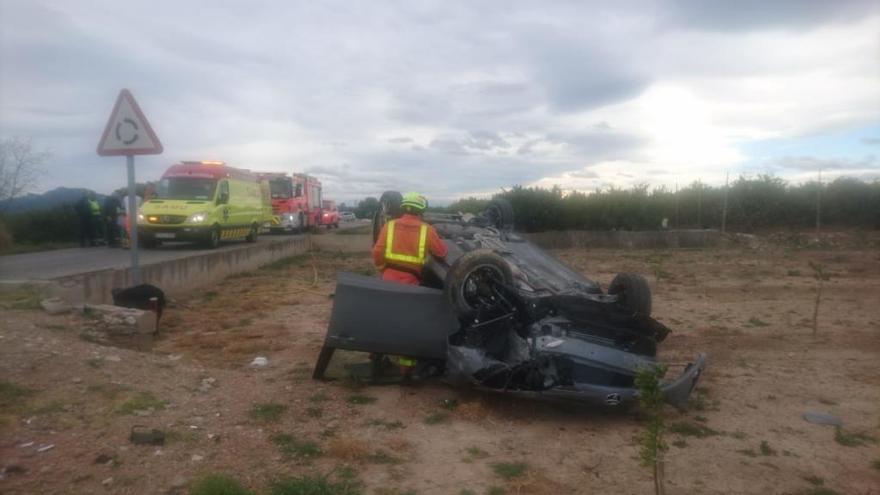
[95, 207]
[403, 246]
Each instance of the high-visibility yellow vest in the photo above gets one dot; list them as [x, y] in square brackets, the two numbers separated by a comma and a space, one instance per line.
[390, 255]
[95, 207]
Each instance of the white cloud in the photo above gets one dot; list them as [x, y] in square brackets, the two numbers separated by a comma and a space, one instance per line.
[448, 98]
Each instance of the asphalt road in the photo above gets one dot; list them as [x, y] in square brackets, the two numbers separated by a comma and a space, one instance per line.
[48, 265]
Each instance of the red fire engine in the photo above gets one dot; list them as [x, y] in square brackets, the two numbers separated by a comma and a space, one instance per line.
[296, 201]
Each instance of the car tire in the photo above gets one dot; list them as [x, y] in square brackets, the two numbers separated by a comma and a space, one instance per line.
[389, 208]
[254, 233]
[461, 286]
[499, 212]
[633, 294]
[212, 240]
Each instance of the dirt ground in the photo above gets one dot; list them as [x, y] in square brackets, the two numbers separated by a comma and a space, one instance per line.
[750, 309]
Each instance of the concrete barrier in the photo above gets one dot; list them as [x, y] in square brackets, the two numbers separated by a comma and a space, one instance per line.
[651, 239]
[179, 275]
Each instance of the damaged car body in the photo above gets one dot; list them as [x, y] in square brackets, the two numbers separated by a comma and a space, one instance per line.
[500, 314]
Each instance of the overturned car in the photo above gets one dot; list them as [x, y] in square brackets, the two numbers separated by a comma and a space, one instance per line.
[499, 314]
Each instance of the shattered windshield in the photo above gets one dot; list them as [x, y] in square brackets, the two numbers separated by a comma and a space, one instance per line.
[186, 188]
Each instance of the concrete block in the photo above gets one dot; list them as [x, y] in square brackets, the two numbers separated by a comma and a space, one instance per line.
[55, 306]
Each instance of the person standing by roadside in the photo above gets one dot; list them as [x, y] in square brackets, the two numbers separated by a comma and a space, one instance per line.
[110, 216]
[86, 227]
[96, 219]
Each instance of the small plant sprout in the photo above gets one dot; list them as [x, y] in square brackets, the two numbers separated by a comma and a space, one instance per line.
[651, 401]
[820, 276]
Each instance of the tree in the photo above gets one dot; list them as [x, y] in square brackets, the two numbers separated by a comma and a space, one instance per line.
[367, 207]
[20, 167]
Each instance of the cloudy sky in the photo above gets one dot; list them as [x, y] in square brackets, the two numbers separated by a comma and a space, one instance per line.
[452, 98]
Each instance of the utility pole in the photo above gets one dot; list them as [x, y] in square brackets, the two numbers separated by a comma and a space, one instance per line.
[724, 206]
[819, 207]
[700, 204]
[675, 202]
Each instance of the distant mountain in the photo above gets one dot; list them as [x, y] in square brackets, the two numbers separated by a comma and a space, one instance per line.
[45, 201]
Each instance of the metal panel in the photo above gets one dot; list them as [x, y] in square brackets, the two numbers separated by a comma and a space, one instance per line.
[372, 315]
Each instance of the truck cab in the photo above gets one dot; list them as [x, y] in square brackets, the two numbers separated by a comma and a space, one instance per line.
[296, 201]
[205, 202]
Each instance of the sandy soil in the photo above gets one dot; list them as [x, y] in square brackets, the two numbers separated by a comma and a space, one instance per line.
[751, 310]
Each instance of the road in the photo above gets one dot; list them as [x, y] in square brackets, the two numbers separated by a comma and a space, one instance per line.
[48, 265]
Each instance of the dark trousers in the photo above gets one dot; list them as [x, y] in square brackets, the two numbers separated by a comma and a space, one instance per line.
[86, 231]
[111, 232]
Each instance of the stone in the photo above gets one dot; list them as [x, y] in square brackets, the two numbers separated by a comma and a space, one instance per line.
[107, 481]
[56, 306]
[179, 481]
[822, 418]
[197, 458]
[260, 362]
[119, 321]
[207, 384]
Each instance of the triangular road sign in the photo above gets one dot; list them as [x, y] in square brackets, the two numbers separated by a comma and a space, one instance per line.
[127, 131]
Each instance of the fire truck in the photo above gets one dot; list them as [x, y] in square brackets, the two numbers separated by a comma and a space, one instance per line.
[296, 201]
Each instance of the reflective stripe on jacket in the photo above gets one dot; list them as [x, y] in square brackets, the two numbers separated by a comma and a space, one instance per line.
[390, 255]
[408, 234]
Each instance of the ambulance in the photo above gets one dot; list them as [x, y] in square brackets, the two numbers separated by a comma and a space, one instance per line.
[205, 202]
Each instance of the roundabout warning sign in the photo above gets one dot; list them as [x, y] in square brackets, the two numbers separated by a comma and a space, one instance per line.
[128, 132]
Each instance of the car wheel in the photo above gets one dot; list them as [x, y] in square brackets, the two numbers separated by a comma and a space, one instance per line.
[471, 282]
[389, 208]
[633, 294]
[254, 233]
[212, 241]
[499, 212]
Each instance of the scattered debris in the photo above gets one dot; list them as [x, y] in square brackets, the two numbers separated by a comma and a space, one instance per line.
[259, 362]
[107, 481]
[197, 458]
[12, 469]
[822, 418]
[46, 448]
[207, 384]
[140, 435]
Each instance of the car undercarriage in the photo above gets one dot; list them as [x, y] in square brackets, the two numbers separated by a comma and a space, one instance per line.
[502, 315]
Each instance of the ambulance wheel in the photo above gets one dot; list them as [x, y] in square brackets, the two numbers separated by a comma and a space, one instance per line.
[254, 233]
[472, 282]
[213, 239]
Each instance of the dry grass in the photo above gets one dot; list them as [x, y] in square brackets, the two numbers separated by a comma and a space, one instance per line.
[472, 411]
[348, 449]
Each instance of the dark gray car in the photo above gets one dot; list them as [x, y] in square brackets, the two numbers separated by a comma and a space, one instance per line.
[502, 315]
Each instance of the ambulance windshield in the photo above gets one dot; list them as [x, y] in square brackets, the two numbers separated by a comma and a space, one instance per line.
[192, 188]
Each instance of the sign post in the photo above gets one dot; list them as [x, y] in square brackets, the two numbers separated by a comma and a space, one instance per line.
[129, 133]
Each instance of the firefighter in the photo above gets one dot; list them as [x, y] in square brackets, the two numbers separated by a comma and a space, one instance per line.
[403, 245]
